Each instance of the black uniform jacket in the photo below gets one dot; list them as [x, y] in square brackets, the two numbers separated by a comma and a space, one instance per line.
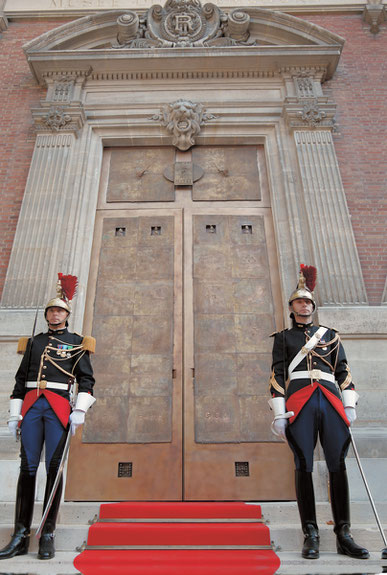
[328, 357]
[57, 356]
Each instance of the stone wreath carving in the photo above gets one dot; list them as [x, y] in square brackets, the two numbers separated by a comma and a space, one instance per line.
[183, 23]
[57, 119]
[312, 114]
[183, 120]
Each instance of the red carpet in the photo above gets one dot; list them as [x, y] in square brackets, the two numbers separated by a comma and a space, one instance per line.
[178, 539]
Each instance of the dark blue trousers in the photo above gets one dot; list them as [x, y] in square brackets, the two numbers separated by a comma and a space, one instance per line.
[318, 418]
[41, 426]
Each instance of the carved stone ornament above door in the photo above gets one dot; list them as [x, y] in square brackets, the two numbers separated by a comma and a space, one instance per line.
[183, 119]
[183, 23]
[121, 44]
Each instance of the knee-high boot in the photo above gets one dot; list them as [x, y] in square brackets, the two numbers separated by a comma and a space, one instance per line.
[307, 510]
[340, 509]
[24, 508]
[47, 538]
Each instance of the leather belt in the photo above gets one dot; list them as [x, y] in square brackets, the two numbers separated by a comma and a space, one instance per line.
[315, 374]
[47, 385]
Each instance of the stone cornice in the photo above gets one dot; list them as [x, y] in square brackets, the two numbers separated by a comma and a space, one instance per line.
[261, 60]
[78, 8]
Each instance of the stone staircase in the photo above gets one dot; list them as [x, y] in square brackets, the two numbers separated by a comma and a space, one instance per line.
[282, 518]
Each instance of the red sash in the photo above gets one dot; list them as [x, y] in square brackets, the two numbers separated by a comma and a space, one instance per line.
[59, 404]
[298, 399]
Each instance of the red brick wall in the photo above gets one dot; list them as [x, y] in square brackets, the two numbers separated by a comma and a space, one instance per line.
[359, 88]
[19, 92]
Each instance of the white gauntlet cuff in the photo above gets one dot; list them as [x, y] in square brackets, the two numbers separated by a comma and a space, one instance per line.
[277, 404]
[350, 398]
[84, 401]
[15, 406]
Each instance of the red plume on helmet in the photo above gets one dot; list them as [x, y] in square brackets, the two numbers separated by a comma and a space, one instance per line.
[306, 284]
[310, 275]
[66, 288]
[68, 284]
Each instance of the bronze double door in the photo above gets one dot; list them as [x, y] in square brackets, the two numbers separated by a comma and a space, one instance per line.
[183, 297]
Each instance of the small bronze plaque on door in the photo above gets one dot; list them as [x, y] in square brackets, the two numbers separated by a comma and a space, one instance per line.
[183, 174]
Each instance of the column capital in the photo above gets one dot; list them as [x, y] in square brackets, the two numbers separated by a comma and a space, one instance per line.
[309, 113]
[375, 14]
[56, 118]
[66, 85]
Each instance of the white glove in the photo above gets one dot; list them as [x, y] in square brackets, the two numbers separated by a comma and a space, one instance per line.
[77, 418]
[279, 426]
[350, 412]
[12, 427]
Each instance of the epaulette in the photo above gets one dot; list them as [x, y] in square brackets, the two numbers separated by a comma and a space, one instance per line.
[280, 331]
[331, 328]
[88, 343]
[22, 345]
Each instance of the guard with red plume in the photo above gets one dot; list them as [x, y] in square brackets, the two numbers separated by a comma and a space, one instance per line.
[43, 411]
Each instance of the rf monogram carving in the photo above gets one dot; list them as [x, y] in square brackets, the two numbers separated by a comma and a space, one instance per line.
[183, 23]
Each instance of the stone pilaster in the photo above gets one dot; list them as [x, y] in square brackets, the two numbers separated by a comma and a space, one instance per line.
[38, 244]
[330, 227]
[384, 297]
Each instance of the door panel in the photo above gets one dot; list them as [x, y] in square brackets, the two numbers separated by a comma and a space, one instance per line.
[229, 449]
[132, 436]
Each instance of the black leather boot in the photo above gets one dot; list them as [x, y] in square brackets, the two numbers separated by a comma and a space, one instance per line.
[340, 508]
[307, 509]
[25, 497]
[47, 538]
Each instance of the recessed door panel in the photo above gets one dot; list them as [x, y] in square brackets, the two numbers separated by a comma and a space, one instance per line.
[131, 443]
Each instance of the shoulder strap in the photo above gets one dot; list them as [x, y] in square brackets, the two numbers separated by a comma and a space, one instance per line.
[311, 344]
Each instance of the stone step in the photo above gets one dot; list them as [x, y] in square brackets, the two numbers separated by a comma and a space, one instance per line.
[285, 512]
[289, 538]
[67, 537]
[70, 512]
[282, 518]
[285, 530]
[291, 564]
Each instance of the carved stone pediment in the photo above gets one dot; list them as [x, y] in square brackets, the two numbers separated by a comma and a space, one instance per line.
[183, 23]
[122, 43]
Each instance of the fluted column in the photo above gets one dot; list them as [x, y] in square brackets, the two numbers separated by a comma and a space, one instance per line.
[310, 117]
[55, 227]
[38, 245]
[329, 220]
